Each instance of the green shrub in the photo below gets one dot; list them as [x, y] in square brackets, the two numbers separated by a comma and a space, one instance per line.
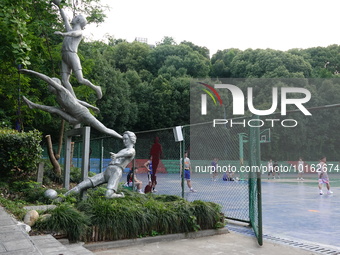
[49, 174]
[14, 207]
[30, 191]
[114, 219]
[65, 218]
[184, 211]
[207, 214]
[20, 152]
[75, 174]
[133, 216]
[168, 198]
[146, 215]
[162, 217]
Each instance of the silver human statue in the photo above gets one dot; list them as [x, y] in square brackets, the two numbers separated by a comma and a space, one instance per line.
[113, 172]
[72, 110]
[70, 60]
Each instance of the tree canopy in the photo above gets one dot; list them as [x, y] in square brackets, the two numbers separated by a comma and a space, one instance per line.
[147, 87]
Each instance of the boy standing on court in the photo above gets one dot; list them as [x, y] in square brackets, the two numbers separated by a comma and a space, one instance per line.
[214, 169]
[323, 176]
[301, 168]
[187, 171]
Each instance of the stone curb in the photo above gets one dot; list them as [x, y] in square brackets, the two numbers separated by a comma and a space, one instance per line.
[40, 207]
[145, 240]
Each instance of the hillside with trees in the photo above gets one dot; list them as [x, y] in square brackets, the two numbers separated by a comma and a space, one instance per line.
[147, 87]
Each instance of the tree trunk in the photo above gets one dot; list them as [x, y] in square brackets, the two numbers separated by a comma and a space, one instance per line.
[54, 161]
[61, 137]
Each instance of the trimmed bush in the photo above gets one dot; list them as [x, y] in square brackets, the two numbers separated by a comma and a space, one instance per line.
[20, 152]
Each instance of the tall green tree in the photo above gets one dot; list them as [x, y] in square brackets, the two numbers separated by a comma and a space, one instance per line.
[179, 56]
[27, 41]
[263, 63]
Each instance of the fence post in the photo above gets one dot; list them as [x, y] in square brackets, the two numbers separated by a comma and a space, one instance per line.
[101, 156]
[255, 199]
[85, 132]
[182, 163]
[40, 172]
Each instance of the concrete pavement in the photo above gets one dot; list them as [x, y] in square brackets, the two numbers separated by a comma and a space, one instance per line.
[231, 243]
[15, 241]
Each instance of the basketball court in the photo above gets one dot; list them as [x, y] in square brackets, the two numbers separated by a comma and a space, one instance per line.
[294, 210]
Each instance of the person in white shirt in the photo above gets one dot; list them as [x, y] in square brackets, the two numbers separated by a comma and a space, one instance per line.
[301, 168]
[187, 171]
[270, 169]
[321, 169]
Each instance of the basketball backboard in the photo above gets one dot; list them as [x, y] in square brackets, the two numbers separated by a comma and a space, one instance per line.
[265, 136]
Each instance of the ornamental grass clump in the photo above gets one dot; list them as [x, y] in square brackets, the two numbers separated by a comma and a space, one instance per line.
[130, 217]
[162, 217]
[186, 221]
[148, 215]
[208, 214]
[120, 218]
[66, 219]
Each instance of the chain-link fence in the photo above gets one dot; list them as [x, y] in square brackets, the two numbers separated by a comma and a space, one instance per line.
[233, 147]
[255, 196]
[226, 186]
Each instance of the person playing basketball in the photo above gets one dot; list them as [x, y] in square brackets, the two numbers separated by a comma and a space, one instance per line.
[323, 176]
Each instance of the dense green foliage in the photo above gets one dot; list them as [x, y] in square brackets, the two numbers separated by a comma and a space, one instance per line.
[27, 41]
[14, 206]
[15, 195]
[29, 191]
[65, 218]
[101, 219]
[146, 87]
[20, 152]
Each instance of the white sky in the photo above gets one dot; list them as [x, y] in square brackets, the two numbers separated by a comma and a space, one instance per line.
[223, 24]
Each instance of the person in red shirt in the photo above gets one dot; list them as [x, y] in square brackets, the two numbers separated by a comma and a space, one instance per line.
[156, 152]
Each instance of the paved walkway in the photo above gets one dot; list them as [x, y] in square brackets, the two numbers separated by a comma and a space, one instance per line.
[15, 241]
[231, 243]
